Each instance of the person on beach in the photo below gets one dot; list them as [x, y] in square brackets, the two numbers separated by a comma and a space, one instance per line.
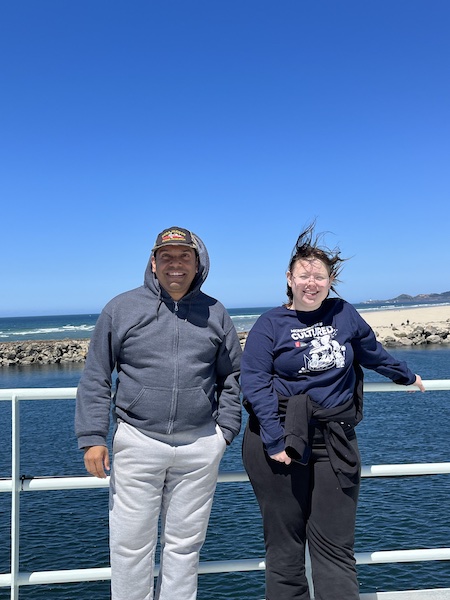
[176, 407]
[302, 380]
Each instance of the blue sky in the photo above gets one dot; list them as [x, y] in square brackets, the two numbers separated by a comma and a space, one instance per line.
[240, 119]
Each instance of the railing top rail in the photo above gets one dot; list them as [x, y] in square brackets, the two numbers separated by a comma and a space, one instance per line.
[70, 392]
[38, 393]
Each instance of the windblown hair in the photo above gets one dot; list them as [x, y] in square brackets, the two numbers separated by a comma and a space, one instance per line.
[308, 248]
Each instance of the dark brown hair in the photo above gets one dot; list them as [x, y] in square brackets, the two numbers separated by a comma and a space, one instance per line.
[308, 247]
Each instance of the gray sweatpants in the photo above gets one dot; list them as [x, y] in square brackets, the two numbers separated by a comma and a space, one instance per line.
[174, 480]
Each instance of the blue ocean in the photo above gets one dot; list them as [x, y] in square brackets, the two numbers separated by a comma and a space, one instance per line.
[57, 327]
[69, 529]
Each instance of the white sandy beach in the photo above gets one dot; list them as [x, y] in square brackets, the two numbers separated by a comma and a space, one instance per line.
[415, 316]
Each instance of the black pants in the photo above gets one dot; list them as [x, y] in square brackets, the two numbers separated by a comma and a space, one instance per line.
[300, 503]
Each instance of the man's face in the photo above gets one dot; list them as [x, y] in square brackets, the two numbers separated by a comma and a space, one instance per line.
[175, 267]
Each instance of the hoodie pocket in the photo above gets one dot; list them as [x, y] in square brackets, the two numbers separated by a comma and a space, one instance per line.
[193, 409]
[152, 406]
[157, 408]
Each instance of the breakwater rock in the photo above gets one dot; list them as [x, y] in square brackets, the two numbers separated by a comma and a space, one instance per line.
[406, 334]
[43, 352]
[414, 334]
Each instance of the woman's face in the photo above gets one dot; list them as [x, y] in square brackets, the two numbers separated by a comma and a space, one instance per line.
[310, 283]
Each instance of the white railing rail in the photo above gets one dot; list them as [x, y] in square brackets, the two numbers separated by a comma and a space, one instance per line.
[17, 484]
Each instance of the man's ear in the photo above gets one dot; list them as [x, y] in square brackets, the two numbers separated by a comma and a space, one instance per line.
[153, 261]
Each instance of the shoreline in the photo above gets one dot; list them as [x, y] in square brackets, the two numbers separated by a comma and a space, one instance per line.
[416, 326]
[410, 326]
[398, 316]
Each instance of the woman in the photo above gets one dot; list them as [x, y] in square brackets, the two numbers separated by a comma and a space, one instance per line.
[302, 385]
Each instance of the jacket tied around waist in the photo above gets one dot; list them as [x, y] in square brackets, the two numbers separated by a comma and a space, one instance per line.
[335, 424]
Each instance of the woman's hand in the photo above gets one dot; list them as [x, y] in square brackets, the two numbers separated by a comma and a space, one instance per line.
[281, 457]
[418, 383]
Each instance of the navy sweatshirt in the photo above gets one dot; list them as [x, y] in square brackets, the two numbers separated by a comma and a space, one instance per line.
[288, 352]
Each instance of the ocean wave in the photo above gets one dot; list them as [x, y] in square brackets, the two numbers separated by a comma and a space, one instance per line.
[46, 332]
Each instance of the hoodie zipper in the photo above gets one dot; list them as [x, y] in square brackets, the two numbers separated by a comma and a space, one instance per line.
[176, 369]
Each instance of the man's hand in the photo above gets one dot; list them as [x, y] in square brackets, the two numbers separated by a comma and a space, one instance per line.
[96, 461]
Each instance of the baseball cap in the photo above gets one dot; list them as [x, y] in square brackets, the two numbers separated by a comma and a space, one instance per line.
[175, 236]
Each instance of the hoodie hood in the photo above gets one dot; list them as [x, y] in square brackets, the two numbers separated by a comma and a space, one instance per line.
[152, 283]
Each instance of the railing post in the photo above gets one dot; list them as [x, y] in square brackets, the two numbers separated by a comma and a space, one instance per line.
[15, 496]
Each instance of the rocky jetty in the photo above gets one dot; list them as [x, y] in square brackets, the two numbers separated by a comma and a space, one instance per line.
[406, 334]
[43, 352]
[413, 334]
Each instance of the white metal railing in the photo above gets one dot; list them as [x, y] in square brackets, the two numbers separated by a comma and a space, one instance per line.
[17, 484]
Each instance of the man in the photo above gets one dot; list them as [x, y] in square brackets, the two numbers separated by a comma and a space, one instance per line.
[176, 406]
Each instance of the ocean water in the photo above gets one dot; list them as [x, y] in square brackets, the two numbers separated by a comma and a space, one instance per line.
[69, 529]
[57, 327]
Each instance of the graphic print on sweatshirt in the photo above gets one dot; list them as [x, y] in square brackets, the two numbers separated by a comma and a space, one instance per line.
[322, 352]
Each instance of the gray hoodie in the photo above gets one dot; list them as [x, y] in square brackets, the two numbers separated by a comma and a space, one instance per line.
[177, 363]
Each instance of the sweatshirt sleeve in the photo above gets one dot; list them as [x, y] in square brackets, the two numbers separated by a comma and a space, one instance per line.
[228, 388]
[371, 355]
[257, 384]
[93, 401]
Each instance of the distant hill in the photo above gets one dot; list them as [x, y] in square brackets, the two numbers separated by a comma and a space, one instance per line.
[406, 299]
